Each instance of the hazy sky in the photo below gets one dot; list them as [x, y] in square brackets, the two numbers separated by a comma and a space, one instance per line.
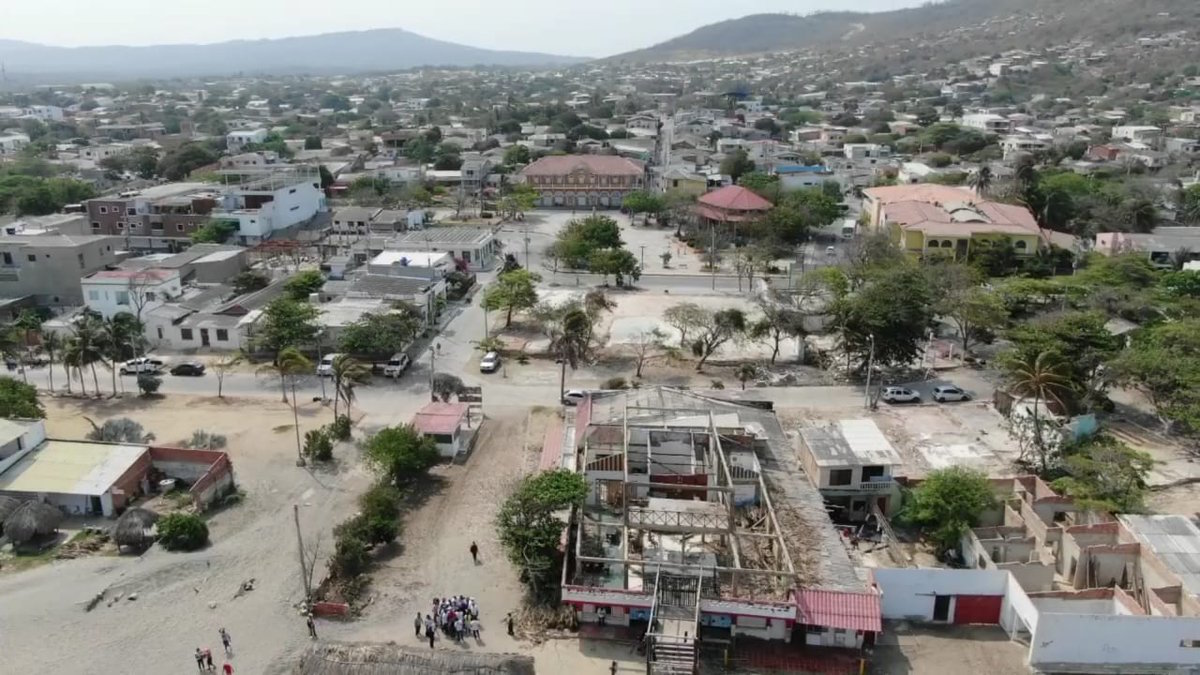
[568, 27]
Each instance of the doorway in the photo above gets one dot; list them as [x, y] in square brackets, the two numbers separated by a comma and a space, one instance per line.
[203, 337]
[941, 607]
[95, 506]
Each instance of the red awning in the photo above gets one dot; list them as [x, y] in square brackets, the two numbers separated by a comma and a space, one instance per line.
[840, 609]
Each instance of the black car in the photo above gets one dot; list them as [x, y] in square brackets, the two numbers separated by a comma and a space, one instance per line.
[188, 368]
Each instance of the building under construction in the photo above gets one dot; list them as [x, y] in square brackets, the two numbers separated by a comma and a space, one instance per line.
[695, 509]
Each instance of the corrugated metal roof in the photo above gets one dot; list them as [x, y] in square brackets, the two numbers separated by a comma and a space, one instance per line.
[840, 609]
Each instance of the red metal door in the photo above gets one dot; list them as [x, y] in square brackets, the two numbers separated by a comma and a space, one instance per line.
[977, 608]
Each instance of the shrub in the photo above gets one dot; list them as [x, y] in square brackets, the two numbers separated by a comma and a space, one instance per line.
[615, 383]
[339, 430]
[380, 514]
[350, 555]
[148, 383]
[182, 532]
[318, 445]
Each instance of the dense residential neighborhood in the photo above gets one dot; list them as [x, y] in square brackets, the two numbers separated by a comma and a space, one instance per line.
[839, 343]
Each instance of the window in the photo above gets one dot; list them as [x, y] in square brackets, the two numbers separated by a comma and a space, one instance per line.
[841, 476]
[869, 472]
[466, 256]
[32, 257]
[94, 295]
[120, 225]
[160, 334]
[116, 209]
[95, 225]
[149, 295]
[81, 263]
[122, 297]
[222, 335]
[1019, 245]
[8, 259]
[185, 334]
[179, 227]
[103, 209]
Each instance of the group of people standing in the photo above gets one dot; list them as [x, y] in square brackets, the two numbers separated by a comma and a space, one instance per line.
[457, 617]
[204, 657]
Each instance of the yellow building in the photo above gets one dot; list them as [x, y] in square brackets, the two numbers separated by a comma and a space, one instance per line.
[931, 219]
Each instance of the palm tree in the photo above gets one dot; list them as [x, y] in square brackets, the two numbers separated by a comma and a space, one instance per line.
[1043, 379]
[113, 341]
[347, 372]
[981, 180]
[11, 342]
[89, 344]
[52, 344]
[288, 366]
[571, 343]
[1025, 173]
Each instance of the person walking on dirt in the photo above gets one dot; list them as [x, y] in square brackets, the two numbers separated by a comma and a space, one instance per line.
[429, 634]
[475, 552]
[417, 625]
[200, 659]
[508, 619]
[613, 668]
[208, 659]
[226, 642]
[312, 627]
[227, 669]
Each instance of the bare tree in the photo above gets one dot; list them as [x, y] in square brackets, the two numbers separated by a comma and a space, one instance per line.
[222, 367]
[645, 346]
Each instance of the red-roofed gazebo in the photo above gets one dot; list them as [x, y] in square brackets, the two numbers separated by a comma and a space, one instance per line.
[732, 204]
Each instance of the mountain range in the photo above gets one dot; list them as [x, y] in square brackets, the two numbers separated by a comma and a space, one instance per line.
[346, 52]
[1049, 21]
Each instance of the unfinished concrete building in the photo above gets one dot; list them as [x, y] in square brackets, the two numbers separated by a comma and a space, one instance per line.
[680, 537]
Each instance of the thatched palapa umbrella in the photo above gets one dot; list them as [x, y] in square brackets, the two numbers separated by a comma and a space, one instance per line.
[133, 528]
[31, 519]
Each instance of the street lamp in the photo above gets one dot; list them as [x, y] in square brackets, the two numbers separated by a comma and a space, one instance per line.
[870, 367]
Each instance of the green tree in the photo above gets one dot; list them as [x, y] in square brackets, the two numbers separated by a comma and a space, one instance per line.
[182, 532]
[249, 281]
[530, 527]
[143, 161]
[379, 509]
[19, 400]
[575, 243]
[177, 164]
[516, 154]
[378, 336]
[949, 502]
[736, 164]
[618, 262]
[719, 328]
[643, 202]
[1078, 341]
[512, 291]
[975, 311]
[981, 180]
[286, 323]
[290, 364]
[214, 232]
[1104, 474]
[779, 322]
[1163, 363]
[400, 454]
[312, 142]
[764, 185]
[873, 316]
[304, 284]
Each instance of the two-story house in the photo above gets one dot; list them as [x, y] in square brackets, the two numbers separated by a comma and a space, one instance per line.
[111, 292]
[46, 268]
[852, 464]
[236, 141]
[584, 180]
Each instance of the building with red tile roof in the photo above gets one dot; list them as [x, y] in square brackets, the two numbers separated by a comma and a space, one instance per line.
[930, 218]
[584, 181]
[732, 204]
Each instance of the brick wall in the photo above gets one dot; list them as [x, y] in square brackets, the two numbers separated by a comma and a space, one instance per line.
[209, 471]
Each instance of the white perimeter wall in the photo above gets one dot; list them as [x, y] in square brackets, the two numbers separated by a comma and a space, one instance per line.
[1113, 641]
[909, 593]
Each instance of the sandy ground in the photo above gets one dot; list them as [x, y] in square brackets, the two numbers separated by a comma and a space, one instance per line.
[905, 649]
[183, 598]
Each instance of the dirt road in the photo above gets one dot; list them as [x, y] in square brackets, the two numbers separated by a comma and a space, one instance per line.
[435, 561]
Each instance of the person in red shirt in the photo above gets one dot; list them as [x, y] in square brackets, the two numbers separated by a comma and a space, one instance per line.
[227, 668]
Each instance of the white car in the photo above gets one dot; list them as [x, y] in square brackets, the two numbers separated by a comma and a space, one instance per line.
[490, 363]
[947, 392]
[142, 364]
[900, 395]
[574, 397]
[396, 365]
[325, 367]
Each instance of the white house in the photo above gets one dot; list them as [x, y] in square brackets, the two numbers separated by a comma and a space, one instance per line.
[236, 141]
[1136, 133]
[265, 204]
[12, 142]
[111, 292]
[987, 122]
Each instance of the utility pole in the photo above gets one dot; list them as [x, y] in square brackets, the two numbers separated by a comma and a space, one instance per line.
[526, 238]
[643, 257]
[870, 367]
[433, 350]
[562, 378]
[712, 256]
[303, 565]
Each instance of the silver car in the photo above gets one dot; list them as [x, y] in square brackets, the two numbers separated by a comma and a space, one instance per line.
[949, 392]
[490, 363]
